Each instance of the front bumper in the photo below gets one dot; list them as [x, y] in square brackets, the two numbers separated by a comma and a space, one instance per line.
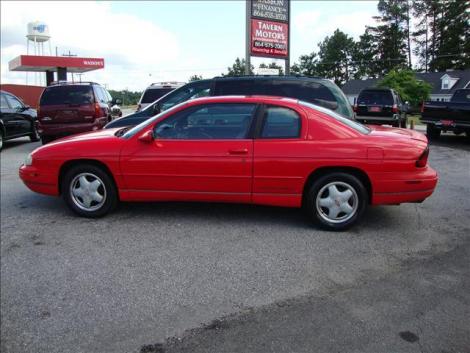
[404, 187]
[42, 183]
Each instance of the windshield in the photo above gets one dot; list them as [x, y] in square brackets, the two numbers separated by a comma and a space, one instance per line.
[152, 94]
[351, 123]
[67, 95]
[149, 121]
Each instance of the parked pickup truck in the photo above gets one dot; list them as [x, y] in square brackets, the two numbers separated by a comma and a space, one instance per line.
[448, 116]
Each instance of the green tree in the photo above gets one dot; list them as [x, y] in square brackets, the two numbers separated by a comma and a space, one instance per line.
[127, 97]
[364, 57]
[238, 68]
[195, 78]
[405, 83]
[391, 34]
[307, 65]
[335, 56]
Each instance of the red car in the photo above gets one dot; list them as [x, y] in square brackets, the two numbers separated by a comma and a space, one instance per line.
[258, 150]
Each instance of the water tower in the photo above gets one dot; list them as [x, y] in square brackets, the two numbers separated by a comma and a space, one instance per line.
[38, 34]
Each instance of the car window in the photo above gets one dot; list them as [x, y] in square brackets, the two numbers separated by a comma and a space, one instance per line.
[13, 102]
[348, 122]
[101, 95]
[462, 95]
[280, 122]
[152, 94]
[185, 93]
[371, 97]
[58, 95]
[3, 100]
[240, 87]
[209, 121]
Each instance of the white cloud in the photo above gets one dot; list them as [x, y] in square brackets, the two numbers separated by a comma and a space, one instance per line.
[311, 27]
[132, 47]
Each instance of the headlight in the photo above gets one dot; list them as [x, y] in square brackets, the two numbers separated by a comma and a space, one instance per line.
[28, 160]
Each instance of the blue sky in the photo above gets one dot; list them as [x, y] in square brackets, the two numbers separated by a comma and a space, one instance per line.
[147, 41]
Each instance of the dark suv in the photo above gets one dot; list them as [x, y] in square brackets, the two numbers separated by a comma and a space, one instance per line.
[16, 119]
[314, 90]
[68, 108]
[381, 106]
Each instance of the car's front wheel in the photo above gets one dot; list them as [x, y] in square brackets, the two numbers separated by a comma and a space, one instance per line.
[34, 137]
[89, 191]
[336, 201]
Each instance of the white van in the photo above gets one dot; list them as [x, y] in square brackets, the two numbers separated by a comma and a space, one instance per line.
[156, 91]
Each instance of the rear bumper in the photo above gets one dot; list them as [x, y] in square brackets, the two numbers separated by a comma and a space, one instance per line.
[371, 119]
[455, 125]
[58, 130]
[38, 182]
[403, 187]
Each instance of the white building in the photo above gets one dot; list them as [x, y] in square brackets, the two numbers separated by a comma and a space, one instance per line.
[443, 84]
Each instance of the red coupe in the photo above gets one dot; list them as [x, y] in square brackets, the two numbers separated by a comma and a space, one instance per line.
[260, 150]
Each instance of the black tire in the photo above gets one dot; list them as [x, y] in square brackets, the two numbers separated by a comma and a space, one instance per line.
[396, 124]
[34, 137]
[73, 179]
[432, 133]
[403, 123]
[2, 139]
[46, 139]
[342, 181]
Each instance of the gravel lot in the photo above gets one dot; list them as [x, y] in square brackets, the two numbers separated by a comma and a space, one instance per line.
[232, 278]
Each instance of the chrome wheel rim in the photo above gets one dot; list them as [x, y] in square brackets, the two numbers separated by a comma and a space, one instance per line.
[337, 202]
[88, 192]
[1, 141]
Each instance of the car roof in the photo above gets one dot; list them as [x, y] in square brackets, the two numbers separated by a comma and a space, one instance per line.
[269, 77]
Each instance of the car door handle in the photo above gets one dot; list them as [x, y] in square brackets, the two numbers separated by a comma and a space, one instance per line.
[238, 151]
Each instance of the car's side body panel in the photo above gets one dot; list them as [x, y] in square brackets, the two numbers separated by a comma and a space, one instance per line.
[251, 170]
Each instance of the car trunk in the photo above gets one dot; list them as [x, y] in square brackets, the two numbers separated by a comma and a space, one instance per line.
[375, 103]
[67, 105]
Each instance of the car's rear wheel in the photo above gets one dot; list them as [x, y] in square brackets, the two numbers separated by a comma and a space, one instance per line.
[46, 139]
[432, 132]
[336, 201]
[89, 191]
[396, 124]
[34, 137]
[403, 123]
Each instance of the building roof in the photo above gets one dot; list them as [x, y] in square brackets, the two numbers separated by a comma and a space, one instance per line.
[51, 63]
[434, 78]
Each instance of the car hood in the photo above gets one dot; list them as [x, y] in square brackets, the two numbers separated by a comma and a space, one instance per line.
[81, 145]
[393, 132]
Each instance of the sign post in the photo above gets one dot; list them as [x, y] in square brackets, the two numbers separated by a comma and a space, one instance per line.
[267, 31]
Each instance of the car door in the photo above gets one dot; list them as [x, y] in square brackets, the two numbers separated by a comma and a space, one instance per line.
[13, 120]
[278, 163]
[203, 153]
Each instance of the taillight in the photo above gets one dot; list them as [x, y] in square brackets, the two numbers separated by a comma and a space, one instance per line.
[394, 109]
[423, 159]
[97, 110]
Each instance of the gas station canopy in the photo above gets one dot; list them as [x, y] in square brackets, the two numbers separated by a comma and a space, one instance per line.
[55, 63]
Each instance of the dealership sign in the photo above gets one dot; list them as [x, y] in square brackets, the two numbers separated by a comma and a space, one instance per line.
[274, 10]
[269, 38]
[268, 29]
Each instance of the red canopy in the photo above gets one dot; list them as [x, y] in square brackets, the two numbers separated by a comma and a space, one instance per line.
[51, 63]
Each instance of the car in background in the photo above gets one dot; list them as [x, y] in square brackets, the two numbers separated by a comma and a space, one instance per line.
[381, 106]
[156, 91]
[67, 108]
[256, 150]
[16, 119]
[318, 91]
[448, 116]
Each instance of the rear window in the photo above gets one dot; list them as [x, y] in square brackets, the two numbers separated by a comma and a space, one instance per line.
[371, 97]
[461, 96]
[152, 94]
[67, 95]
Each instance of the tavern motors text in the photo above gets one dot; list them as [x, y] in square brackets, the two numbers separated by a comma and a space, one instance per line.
[271, 31]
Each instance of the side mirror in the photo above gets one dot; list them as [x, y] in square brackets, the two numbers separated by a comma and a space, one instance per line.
[146, 137]
[118, 101]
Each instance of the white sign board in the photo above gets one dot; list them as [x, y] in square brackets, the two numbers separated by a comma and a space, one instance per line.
[266, 71]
